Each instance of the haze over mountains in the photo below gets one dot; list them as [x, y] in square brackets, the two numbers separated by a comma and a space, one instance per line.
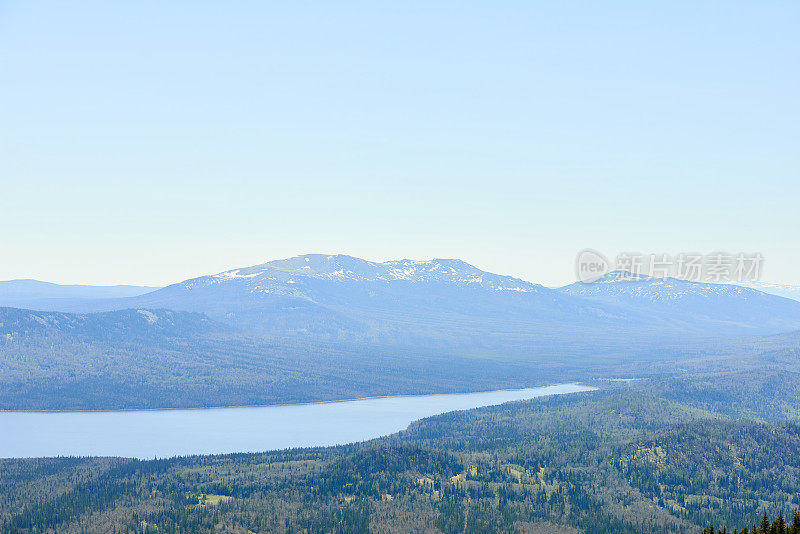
[738, 307]
[445, 303]
[37, 295]
[782, 290]
[320, 327]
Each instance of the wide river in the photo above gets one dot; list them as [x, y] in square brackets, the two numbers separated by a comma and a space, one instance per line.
[165, 433]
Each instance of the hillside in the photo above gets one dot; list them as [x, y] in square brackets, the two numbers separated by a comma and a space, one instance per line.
[453, 306]
[613, 461]
[121, 327]
[726, 305]
[331, 327]
[150, 358]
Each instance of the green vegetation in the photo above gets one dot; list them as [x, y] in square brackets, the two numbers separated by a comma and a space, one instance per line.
[54, 361]
[625, 459]
[166, 359]
[695, 440]
[779, 526]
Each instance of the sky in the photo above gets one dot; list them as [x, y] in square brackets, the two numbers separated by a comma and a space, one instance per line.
[149, 142]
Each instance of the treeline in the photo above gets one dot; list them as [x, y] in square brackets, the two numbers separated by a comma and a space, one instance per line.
[607, 461]
[778, 526]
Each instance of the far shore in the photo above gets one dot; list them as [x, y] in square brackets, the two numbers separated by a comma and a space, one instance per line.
[277, 405]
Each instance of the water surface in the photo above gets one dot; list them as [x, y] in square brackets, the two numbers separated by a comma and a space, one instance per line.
[166, 433]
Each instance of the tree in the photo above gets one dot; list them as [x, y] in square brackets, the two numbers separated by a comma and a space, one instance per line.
[795, 526]
[780, 524]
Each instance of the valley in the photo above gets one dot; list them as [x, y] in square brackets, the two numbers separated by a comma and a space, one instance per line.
[315, 328]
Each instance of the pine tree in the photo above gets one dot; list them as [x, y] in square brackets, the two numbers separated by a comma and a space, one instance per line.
[765, 524]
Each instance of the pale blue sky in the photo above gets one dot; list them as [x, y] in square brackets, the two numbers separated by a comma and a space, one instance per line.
[147, 142]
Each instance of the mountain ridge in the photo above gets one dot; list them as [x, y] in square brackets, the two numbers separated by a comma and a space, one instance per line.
[448, 302]
[450, 305]
[341, 267]
[28, 293]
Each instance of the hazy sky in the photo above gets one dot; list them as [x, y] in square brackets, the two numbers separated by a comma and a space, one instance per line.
[148, 142]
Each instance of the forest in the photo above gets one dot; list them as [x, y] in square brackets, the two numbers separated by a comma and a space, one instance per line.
[635, 456]
[122, 360]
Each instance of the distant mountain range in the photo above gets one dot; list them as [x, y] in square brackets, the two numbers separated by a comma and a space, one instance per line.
[349, 299]
[36, 295]
[783, 290]
[701, 303]
[333, 326]
[443, 305]
[450, 305]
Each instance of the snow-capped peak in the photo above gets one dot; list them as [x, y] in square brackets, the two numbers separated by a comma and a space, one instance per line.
[620, 276]
[618, 285]
[345, 268]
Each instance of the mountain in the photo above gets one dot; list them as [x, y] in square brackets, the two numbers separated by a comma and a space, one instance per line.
[282, 276]
[449, 305]
[33, 294]
[437, 303]
[725, 305]
[326, 327]
[782, 290]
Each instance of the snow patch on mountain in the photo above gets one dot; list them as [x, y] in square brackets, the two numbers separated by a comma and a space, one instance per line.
[272, 277]
[621, 284]
[782, 290]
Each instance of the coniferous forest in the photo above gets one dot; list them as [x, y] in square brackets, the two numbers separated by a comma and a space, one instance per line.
[634, 456]
[399, 267]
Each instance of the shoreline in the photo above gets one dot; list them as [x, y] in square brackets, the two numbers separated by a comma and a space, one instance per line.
[284, 405]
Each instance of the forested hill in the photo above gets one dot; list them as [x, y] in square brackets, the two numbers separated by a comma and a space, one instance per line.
[151, 358]
[150, 326]
[319, 327]
[626, 459]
